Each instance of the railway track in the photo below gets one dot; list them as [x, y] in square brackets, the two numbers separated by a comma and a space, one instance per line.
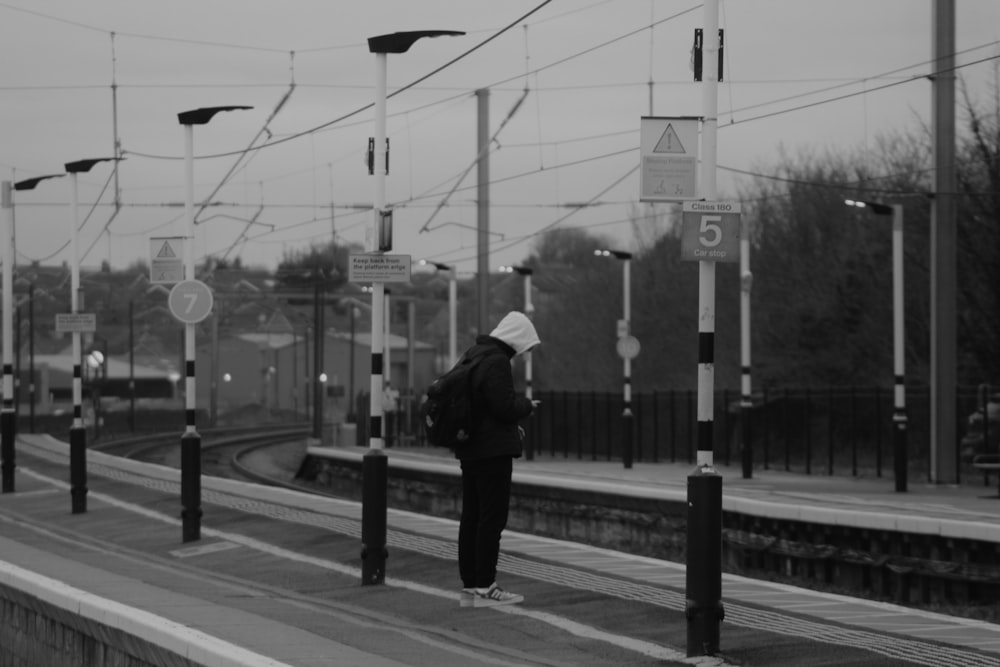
[224, 451]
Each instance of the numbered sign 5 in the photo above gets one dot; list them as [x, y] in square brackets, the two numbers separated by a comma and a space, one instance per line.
[710, 231]
[190, 301]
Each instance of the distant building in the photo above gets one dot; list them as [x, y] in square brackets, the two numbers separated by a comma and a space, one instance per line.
[275, 370]
[54, 381]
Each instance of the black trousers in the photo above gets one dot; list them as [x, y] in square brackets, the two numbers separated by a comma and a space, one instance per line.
[485, 506]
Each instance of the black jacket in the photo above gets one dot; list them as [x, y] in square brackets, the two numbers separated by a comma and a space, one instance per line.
[496, 407]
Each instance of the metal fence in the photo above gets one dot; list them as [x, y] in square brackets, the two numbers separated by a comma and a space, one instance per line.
[822, 431]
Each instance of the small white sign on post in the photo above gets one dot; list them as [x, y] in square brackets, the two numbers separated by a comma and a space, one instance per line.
[166, 259]
[628, 347]
[668, 154]
[76, 322]
[377, 268]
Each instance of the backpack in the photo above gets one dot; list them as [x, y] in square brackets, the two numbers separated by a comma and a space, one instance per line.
[446, 409]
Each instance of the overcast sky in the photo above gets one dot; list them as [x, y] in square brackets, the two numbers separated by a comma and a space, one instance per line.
[586, 65]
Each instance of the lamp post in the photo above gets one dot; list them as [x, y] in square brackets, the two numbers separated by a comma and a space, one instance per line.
[190, 440]
[746, 392]
[375, 464]
[452, 309]
[96, 363]
[899, 419]
[627, 348]
[8, 417]
[78, 432]
[351, 416]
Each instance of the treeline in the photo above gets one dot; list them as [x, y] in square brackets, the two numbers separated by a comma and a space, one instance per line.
[822, 277]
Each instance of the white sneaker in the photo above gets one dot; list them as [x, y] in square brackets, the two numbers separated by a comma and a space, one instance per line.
[467, 597]
[494, 596]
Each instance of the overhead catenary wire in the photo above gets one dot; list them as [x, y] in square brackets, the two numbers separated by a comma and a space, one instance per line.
[482, 152]
[728, 53]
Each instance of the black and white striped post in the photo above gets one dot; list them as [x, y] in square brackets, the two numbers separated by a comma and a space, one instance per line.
[704, 609]
[8, 418]
[374, 468]
[78, 432]
[628, 347]
[191, 440]
[529, 310]
[746, 387]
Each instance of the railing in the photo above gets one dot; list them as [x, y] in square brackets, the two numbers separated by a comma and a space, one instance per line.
[822, 431]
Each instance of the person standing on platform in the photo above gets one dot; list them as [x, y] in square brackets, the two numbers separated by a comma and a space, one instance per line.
[487, 459]
[390, 404]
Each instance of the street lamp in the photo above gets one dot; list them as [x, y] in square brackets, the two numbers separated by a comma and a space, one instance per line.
[452, 309]
[628, 347]
[78, 432]
[8, 417]
[352, 417]
[899, 418]
[96, 363]
[190, 440]
[375, 464]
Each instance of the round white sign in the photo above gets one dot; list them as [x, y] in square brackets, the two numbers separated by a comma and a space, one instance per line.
[628, 347]
[190, 301]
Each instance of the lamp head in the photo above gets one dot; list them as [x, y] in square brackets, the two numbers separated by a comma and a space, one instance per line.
[619, 254]
[203, 115]
[876, 207]
[30, 183]
[82, 166]
[400, 42]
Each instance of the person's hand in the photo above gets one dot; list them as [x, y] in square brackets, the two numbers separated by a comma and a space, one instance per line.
[535, 402]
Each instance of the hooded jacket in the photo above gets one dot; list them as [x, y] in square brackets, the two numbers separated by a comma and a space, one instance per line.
[496, 407]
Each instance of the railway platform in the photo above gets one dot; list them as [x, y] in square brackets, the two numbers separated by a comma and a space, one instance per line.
[276, 580]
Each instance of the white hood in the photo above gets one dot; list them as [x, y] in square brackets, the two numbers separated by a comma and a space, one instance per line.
[516, 330]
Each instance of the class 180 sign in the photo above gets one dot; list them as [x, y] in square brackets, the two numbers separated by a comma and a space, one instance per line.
[710, 231]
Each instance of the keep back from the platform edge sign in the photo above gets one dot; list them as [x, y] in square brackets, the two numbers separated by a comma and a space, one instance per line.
[710, 231]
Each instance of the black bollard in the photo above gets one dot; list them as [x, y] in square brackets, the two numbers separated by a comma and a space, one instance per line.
[191, 486]
[8, 427]
[78, 469]
[627, 444]
[899, 447]
[746, 407]
[704, 562]
[374, 480]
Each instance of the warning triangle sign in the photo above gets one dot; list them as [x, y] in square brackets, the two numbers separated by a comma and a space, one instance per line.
[167, 251]
[669, 142]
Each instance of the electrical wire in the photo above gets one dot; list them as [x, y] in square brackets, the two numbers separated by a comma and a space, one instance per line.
[361, 109]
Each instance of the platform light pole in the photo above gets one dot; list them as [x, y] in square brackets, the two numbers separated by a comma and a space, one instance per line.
[529, 310]
[900, 455]
[746, 387]
[351, 415]
[191, 440]
[452, 309]
[375, 465]
[8, 417]
[625, 334]
[78, 432]
[703, 573]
